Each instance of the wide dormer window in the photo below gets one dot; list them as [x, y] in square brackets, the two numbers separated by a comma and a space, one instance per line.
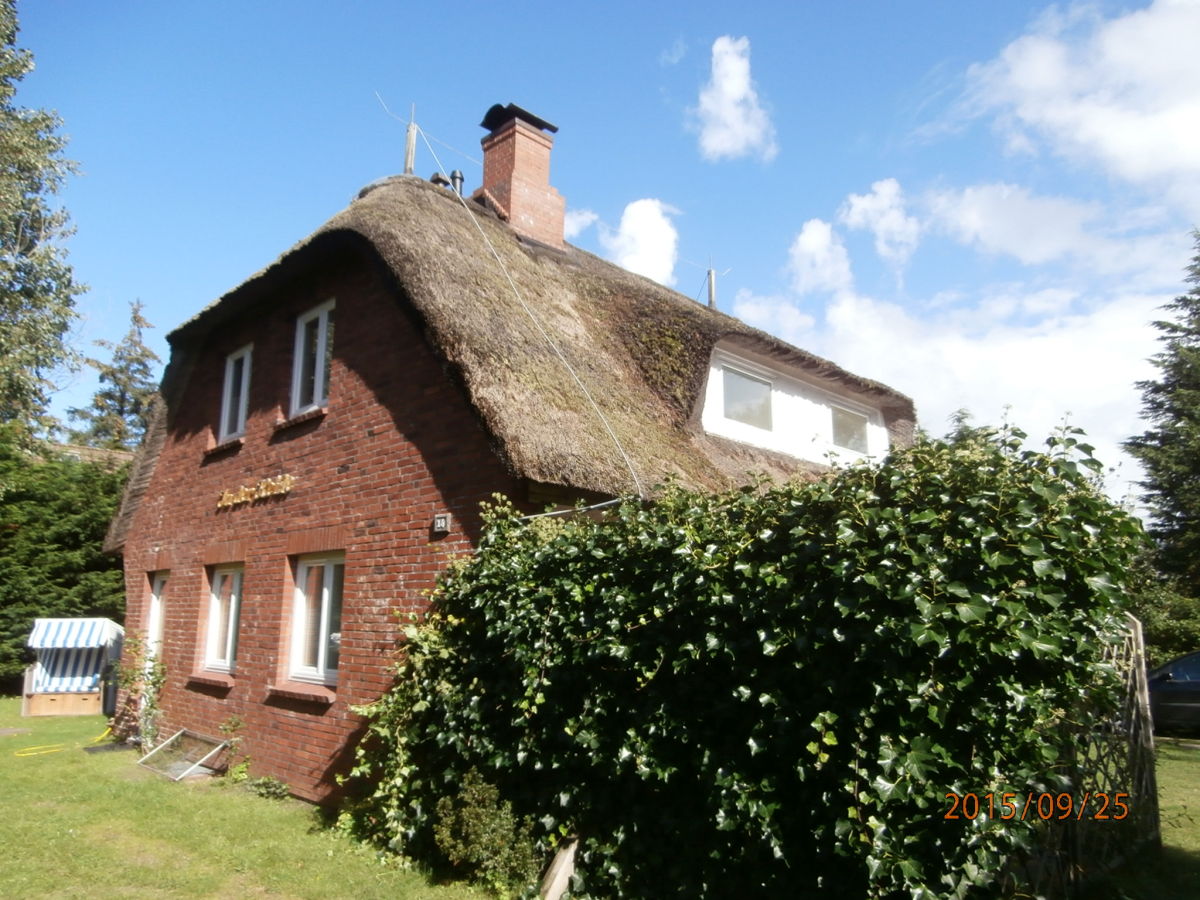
[313, 359]
[760, 403]
[235, 399]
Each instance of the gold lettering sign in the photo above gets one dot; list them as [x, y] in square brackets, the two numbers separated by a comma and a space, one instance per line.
[248, 493]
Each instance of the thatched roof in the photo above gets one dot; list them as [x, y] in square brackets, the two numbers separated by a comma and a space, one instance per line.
[642, 350]
[107, 457]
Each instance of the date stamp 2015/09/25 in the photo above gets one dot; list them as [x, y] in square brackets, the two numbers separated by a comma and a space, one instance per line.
[1028, 805]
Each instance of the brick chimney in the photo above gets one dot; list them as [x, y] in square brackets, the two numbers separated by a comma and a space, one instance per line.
[516, 173]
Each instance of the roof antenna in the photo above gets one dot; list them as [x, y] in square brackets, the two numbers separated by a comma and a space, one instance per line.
[710, 279]
[410, 134]
[410, 141]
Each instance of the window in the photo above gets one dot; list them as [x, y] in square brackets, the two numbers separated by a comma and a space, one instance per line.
[747, 399]
[789, 409]
[224, 607]
[317, 619]
[236, 396]
[314, 353]
[849, 430]
[154, 621]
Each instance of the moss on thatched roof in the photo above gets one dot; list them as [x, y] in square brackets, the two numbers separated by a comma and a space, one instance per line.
[642, 350]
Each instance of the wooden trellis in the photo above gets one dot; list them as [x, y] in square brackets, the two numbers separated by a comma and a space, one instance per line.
[1113, 765]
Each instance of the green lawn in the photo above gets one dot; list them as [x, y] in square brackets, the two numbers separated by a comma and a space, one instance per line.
[76, 824]
[96, 825]
[1173, 874]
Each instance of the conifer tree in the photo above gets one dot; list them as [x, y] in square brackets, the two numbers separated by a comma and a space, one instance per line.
[54, 512]
[1169, 450]
[117, 416]
[37, 286]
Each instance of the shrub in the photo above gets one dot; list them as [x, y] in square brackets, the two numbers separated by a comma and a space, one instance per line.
[269, 787]
[480, 837]
[1170, 619]
[770, 691]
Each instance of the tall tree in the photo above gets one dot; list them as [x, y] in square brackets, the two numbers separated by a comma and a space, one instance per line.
[1169, 449]
[37, 286]
[54, 512]
[117, 416]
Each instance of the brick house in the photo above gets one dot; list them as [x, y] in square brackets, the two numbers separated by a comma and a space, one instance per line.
[297, 489]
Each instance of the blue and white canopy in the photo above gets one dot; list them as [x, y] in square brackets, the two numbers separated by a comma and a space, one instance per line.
[72, 653]
[59, 633]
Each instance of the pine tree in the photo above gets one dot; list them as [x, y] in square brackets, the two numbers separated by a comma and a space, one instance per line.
[1169, 450]
[117, 416]
[37, 286]
[54, 512]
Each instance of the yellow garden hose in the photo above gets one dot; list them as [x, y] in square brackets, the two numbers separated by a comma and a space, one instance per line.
[43, 749]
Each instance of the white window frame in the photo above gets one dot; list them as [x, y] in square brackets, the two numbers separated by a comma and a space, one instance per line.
[320, 390]
[768, 383]
[220, 652]
[319, 670]
[155, 617]
[240, 404]
[834, 409]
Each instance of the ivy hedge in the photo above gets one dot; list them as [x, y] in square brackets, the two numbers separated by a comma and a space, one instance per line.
[769, 691]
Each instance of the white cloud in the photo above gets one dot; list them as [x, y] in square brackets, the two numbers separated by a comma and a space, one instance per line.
[732, 121]
[783, 317]
[646, 241]
[1005, 218]
[817, 260]
[1120, 93]
[674, 54]
[1036, 229]
[882, 212]
[576, 221]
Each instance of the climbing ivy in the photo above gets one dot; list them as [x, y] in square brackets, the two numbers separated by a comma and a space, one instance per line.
[770, 691]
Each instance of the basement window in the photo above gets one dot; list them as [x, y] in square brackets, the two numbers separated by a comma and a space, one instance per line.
[317, 618]
[313, 359]
[235, 398]
[224, 610]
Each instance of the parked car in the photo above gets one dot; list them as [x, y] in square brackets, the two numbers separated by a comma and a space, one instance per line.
[1175, 694]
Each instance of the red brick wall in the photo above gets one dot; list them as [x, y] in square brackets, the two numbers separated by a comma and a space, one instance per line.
[398, 443]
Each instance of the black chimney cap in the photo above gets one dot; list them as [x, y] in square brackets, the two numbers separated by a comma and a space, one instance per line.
[499, 116]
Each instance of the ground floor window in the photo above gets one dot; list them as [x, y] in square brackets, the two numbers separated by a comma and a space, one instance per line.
[224, 608]
[317, 618]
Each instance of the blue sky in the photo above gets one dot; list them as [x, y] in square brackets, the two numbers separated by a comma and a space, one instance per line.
[981, 204]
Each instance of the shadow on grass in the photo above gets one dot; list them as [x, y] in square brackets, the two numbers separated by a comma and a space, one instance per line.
[1171, 873]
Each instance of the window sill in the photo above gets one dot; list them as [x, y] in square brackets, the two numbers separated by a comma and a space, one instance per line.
[230, 445]
[211, 679]
[299, 690]
[300, 418]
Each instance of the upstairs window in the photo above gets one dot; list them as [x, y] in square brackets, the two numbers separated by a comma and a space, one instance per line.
[788, 410]
[849, 430]
[317, 619]
[314, 354]
[224, 610]
[747, 399]
[235, 398]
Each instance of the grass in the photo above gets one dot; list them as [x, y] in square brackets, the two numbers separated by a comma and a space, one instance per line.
[1174, 872]
[96, 825]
